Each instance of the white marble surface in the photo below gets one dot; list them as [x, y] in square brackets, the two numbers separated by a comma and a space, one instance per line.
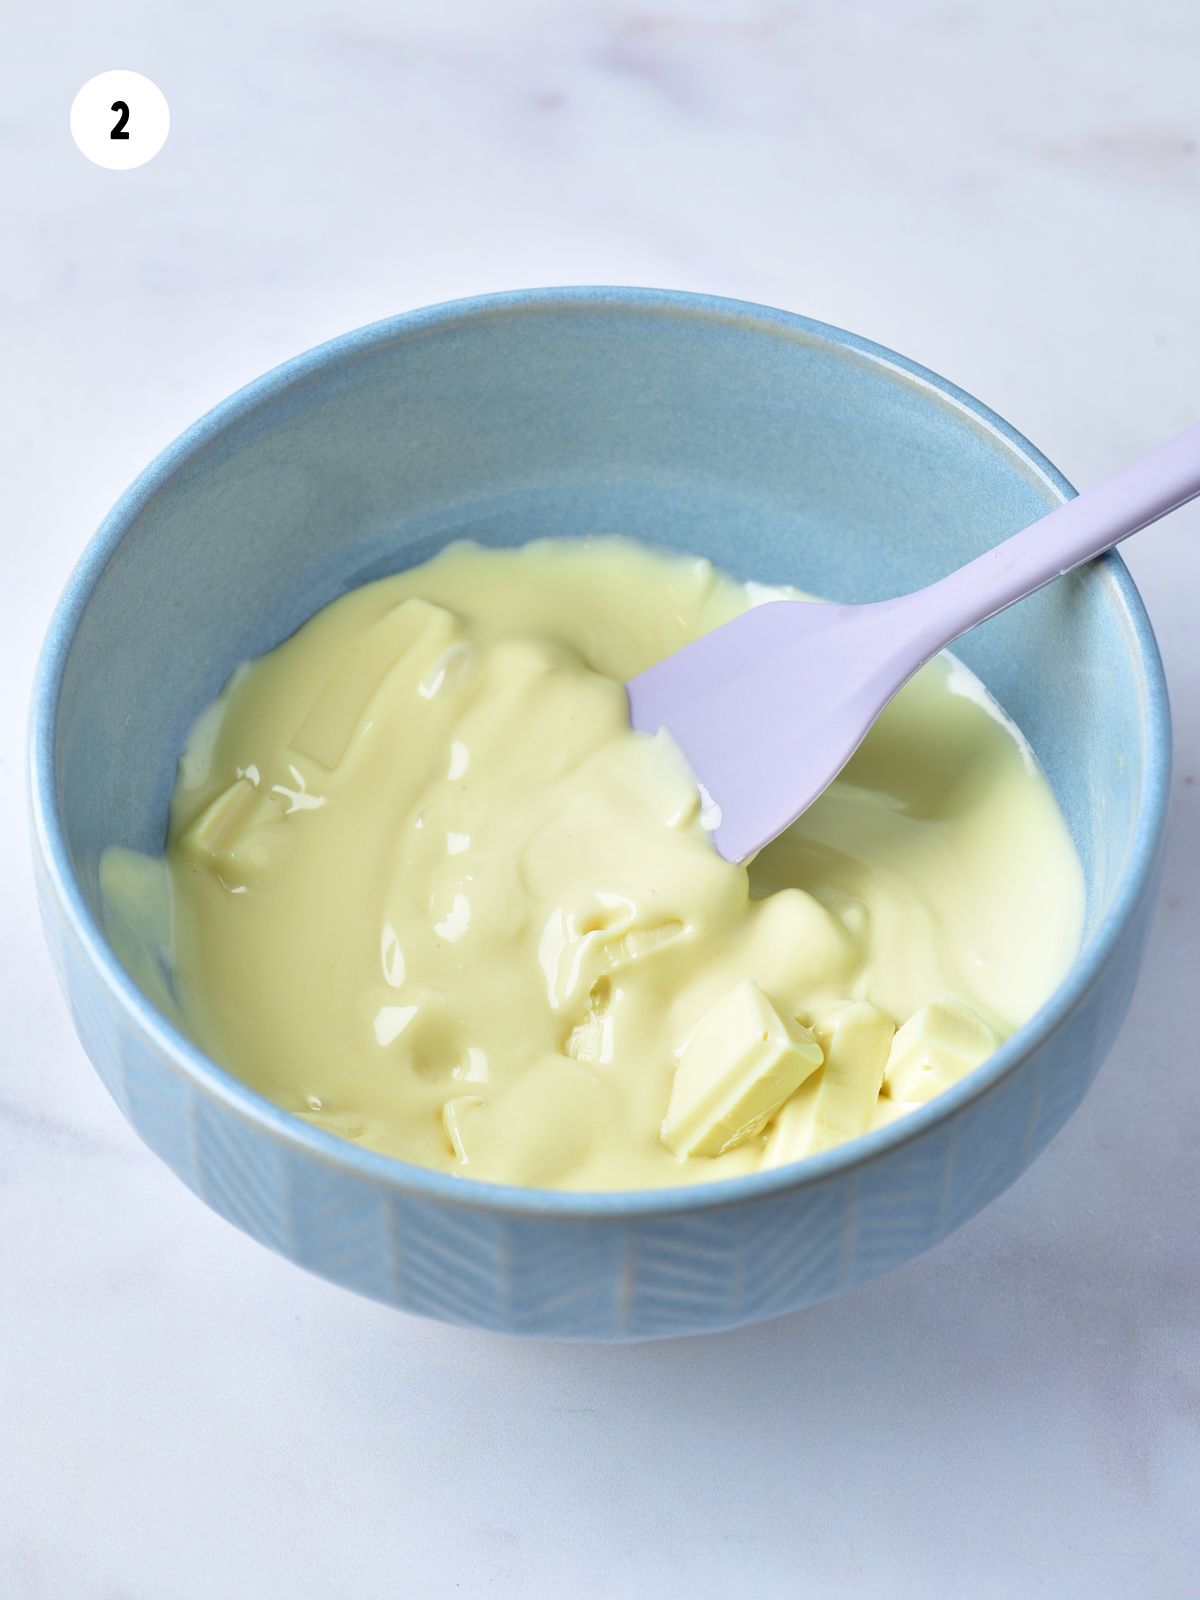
[1009, 193]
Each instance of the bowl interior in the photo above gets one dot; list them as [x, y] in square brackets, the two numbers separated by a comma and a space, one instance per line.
[783, 450]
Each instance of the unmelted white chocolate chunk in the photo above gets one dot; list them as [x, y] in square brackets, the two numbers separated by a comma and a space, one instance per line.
[837, 1102]
[935, 1048]
[414, 633]
[736, 1068]
[238, 833]
[220, 823]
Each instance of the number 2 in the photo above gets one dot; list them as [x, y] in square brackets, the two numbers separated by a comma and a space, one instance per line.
[118, 131]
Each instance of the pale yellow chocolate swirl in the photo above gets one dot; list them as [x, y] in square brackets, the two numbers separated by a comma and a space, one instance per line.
[430, 892]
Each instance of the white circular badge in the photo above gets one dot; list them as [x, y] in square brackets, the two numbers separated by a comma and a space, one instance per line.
[120, 119]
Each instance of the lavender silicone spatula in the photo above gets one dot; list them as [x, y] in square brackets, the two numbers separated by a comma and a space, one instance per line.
[769, 707]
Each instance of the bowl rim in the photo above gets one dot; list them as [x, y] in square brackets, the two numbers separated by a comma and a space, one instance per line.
[423, 1183]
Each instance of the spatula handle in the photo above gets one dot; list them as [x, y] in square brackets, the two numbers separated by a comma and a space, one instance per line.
[1074, 533]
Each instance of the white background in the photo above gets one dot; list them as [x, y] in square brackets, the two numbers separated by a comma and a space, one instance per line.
[1010, 194]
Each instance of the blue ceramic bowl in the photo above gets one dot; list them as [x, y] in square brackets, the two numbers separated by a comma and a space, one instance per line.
[786, 451]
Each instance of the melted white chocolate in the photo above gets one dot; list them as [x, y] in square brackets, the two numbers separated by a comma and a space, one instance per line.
[430, 892]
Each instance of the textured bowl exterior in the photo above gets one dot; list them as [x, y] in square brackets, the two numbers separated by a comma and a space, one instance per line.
[611, 1275]
[611, 1266]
